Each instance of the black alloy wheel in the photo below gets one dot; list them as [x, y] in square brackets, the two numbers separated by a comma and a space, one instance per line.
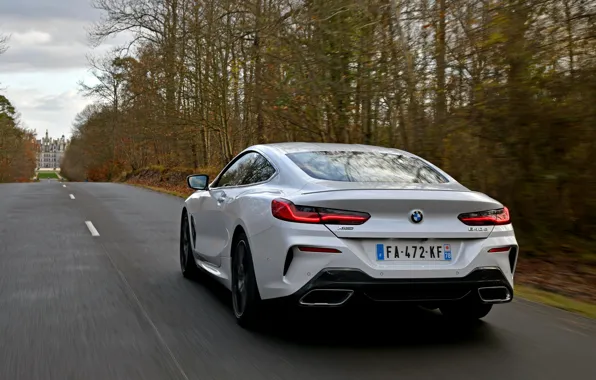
[245, 294]
[187, 263]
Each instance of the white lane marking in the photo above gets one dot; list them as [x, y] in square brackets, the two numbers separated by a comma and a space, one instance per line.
[72, 196]
[92, 228]
[63, 185]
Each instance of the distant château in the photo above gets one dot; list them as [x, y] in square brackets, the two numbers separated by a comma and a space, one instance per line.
[50, 151]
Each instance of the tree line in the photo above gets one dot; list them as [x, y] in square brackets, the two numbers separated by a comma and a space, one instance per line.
[499, 93]
[17, 144]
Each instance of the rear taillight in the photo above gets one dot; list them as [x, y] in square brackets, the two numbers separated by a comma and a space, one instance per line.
[288, 211]
[497, 217]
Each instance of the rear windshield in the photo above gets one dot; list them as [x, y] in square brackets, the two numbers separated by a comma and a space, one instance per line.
[348, 166]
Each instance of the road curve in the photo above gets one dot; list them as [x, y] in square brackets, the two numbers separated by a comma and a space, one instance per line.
[115, 306]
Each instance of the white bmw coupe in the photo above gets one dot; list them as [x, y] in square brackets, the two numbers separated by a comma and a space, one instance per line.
[327, 225]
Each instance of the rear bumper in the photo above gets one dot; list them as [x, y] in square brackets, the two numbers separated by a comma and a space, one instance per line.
[339, 287]
[282, 269]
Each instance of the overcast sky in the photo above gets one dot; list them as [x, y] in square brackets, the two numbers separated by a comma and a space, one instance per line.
[46, 58]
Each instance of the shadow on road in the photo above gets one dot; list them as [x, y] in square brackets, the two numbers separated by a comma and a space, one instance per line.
[380, 327]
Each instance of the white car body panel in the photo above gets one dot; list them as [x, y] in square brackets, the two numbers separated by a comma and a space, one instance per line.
[218, 212]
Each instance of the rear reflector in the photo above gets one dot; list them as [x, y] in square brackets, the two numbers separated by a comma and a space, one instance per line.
[319, 249]
[288, 211]
[497, 217]
[499, 249]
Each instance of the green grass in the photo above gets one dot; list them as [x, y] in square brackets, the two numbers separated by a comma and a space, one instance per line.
[47, 175]
[556, 300]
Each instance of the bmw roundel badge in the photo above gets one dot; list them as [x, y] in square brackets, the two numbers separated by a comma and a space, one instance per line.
[416, 216]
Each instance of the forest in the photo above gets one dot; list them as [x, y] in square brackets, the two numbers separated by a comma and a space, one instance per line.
[499, 93]
[17, 144]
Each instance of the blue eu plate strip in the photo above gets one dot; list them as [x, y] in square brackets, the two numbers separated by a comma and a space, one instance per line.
[380, 252]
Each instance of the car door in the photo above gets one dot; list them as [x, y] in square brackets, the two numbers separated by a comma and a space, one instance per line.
[212, 222]
[253, 171]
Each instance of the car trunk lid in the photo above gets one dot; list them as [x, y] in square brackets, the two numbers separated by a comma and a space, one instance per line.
[392, 211]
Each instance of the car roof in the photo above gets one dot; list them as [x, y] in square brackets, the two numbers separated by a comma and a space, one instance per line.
[296, 147]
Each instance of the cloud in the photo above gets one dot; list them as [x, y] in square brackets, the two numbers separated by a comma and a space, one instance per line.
[32, 37]
[47, 56]
[44, 58]
[44, 9]
[52, 111]
[47, 45]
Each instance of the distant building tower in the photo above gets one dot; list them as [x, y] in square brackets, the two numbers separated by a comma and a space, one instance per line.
[50, 151]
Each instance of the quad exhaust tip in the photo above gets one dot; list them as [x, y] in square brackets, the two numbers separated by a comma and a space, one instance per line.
[494, 294]
[326, 297]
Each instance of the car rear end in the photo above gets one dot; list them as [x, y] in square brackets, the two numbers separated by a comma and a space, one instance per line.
[417, 238]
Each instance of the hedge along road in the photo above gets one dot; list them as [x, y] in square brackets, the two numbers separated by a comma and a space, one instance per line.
[90, 288]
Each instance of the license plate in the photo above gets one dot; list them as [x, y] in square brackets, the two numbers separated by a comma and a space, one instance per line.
[418, 252]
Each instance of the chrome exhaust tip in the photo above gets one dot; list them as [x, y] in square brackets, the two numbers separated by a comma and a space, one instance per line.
[326, 297]
[494, 294]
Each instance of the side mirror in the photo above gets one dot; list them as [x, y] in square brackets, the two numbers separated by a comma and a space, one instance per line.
[198, 181]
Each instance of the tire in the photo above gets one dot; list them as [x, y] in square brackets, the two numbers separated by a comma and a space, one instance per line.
[466, 311]
[246, 301]
[188, 266]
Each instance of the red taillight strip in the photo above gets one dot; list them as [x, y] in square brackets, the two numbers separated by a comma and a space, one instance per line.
[288, 211]
[343, 219]
[486, 218]
[319, 249]
[499, 249]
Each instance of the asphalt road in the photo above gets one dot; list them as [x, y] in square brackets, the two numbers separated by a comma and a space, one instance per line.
[115, 306]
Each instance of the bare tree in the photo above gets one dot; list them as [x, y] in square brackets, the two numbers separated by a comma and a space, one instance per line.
[4, 43]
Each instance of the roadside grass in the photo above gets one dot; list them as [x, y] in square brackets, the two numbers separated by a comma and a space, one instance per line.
[556, 300]
[160, 190]
[47, 175]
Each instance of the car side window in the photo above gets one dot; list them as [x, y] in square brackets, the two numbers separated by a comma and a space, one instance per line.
[257, 170]
[250, 168]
